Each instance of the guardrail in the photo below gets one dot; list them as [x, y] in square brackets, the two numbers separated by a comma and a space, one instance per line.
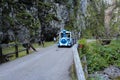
[4, 57]
[78, 65]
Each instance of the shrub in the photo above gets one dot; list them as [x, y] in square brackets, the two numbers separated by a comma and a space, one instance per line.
[82, 41]
[99, 56]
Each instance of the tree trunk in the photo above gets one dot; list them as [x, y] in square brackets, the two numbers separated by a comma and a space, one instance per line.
[107, 19]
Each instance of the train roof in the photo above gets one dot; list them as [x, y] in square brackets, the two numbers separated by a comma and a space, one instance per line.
[65, 31]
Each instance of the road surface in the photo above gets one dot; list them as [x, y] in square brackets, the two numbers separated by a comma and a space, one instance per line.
[51, 63]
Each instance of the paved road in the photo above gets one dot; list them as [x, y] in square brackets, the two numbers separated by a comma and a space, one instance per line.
[49, 63]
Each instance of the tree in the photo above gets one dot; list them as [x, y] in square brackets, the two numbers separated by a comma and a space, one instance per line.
[108, 16]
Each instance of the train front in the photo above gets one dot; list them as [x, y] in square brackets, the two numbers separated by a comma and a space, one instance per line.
[65, 39]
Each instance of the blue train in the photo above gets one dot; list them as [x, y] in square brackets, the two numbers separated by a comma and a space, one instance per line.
[65, 39]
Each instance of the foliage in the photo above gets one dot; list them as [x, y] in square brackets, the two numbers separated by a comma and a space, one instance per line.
[69, 25]
[82, 41]
[25, 18]
[42, 5]
[61, 1]
[76, 7]
[114, 24]
[87, 33]
[99, 56]
[14, 14]
[50, 17]
[95, 18]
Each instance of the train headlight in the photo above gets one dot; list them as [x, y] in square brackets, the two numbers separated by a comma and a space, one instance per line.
[63, 41]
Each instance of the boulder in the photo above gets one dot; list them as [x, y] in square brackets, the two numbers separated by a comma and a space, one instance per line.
[112, 71]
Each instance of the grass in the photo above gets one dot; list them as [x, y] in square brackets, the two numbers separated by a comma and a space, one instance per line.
[8, 49]
[118, 78]
[73, 73]
[23, 53]
[46, 44]
[49, 43]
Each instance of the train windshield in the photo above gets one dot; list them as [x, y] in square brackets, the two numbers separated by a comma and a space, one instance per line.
[65, 35]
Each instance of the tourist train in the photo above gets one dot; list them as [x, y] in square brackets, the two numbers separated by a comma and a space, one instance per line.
[65, 39]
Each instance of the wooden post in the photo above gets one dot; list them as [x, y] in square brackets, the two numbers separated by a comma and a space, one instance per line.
[1, 55]
[27, 49]
[16, 50]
